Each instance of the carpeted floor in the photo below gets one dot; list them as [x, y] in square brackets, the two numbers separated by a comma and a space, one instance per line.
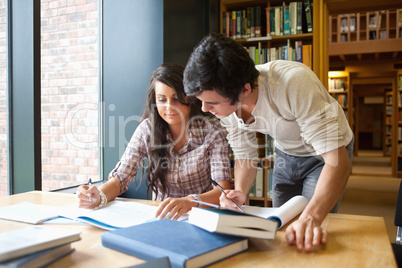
[371, 190]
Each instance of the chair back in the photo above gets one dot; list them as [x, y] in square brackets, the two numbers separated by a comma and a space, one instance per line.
[398, 211]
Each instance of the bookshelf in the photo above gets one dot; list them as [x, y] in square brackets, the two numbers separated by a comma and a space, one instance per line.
[277, 33]
[261, 191]
[388, 103]
[365, 32]
[397, 122]
[339, 88]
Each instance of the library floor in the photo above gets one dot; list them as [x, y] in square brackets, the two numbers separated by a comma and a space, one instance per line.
[371, 190]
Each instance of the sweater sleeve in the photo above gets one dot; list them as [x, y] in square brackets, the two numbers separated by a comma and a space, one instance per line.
[243, 143]
[219, 153]
[302, 97]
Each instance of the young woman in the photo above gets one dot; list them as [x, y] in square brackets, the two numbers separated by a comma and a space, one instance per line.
[184, 149]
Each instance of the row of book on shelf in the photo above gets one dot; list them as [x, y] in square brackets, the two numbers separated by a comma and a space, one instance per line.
[257, 21]
[399, 133]
[342, 99]
[388, 110]
[337, 84]
[257, 189]
[389, 147]
[298, 52]
[266, 151]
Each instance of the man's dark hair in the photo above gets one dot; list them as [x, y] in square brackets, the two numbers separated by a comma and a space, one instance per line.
[221, 64]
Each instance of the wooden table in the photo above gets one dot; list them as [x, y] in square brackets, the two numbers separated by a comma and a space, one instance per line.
[354, 241]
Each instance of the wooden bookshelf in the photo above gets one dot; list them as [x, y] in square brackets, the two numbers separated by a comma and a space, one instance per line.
[314, 40]
[388, 106]
[261, 191]
[265, 199]
[339, 88]
[397, 127]
[365, 32]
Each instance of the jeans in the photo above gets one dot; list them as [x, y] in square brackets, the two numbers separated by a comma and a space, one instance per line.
[295, 175]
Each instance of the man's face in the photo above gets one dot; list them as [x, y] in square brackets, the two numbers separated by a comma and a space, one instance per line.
[216, 104]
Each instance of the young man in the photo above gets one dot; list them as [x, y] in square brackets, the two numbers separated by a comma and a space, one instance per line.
[285, 99]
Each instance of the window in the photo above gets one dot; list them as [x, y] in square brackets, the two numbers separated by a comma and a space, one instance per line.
[69, 92]
[56, 137]
[3, 100]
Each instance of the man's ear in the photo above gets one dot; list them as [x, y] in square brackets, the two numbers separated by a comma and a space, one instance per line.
[246, 90]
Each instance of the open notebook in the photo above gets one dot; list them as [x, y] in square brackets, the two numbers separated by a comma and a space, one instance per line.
[116, 214]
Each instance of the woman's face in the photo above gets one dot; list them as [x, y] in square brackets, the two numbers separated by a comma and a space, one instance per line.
[168, 105]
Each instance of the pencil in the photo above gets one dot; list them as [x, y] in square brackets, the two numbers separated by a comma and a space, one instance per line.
[223, 191]
[89, 185]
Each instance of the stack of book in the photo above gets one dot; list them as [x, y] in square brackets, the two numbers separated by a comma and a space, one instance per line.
[35, 246]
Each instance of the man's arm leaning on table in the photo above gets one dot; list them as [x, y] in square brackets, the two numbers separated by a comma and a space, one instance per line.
[306, 231]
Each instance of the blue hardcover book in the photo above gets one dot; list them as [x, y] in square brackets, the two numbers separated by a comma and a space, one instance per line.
[272, 20]
[186, 245]
[286, 21]
[309, 16]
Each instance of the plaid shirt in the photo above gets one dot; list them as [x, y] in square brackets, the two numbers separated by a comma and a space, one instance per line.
[203, 156]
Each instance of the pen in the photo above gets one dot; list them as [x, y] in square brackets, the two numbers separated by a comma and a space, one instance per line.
[89, 185]
[223, 191]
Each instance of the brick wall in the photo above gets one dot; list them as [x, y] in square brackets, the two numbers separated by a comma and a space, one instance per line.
[70, 63]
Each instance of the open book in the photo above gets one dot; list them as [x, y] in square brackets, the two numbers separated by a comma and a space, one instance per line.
[255, 222]
[116, 214]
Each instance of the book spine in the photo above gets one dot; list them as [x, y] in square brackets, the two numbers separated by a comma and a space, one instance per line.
[286, 23]
[238, 25]
[277, 20]
[309, 17]
[259, 182]
[257, 21]
[251, 51]
[269, 183]
[299, 26]
[248, 22]
[284, 52]
[281, 20]
[272, 20]
[252, 22]
[224, 23]
[306, 54]
[227, 15]
[244, 24]
[293, 17]
[234, 24]
[268, 21]
[299, 53]
[140, 250]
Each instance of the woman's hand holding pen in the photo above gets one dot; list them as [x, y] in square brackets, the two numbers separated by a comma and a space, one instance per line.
[173, 208]
[236, 196]
[88, 196]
